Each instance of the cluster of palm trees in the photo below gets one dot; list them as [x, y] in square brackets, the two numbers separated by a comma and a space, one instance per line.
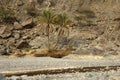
[50, 18]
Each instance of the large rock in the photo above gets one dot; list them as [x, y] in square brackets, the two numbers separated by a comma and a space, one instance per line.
[17, 25]
[28, 23]
[6, 31]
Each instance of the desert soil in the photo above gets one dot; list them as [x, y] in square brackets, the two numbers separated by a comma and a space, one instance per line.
[33, 63]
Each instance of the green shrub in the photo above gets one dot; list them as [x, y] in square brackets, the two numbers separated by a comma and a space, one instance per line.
[61, 20]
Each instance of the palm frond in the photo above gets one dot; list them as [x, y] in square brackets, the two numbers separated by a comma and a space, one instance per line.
[63, 20]
[47, 16]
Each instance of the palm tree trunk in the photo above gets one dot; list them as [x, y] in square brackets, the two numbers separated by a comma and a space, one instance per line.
[58, 38]
[56, 44]
[68, 32]
[48, 36]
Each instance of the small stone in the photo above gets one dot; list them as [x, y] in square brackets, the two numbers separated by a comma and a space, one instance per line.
[15, 78]
[17, 35]
[25, 37]
[24, 77]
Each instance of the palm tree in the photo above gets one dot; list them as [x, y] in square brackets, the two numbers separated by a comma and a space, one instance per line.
[64, 23]
[47, 17]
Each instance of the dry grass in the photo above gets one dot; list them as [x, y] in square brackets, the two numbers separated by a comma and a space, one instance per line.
[59, 53]
[52, 53]
[17, 53]
[40, 53]
[44, 53]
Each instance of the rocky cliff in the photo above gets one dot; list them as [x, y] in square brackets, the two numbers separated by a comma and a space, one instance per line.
[99, 33]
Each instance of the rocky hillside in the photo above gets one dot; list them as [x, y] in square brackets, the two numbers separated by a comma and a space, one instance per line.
[96, 28]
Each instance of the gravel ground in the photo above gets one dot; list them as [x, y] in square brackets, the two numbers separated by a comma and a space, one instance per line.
[110, 75]
[19, 64]
[13, 64]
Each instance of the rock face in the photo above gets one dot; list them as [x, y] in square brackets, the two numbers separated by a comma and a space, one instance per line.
[99, 34]
[21, 6]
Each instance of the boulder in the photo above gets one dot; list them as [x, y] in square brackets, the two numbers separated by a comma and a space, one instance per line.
[6, 31]
[28, 23]
[17, 25]
[6, 34]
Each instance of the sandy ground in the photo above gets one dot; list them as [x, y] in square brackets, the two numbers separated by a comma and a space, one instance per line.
[31, 63]
[110, 75]
[13, 64]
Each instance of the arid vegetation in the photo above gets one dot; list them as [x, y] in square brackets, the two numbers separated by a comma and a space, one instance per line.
[55, 24]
